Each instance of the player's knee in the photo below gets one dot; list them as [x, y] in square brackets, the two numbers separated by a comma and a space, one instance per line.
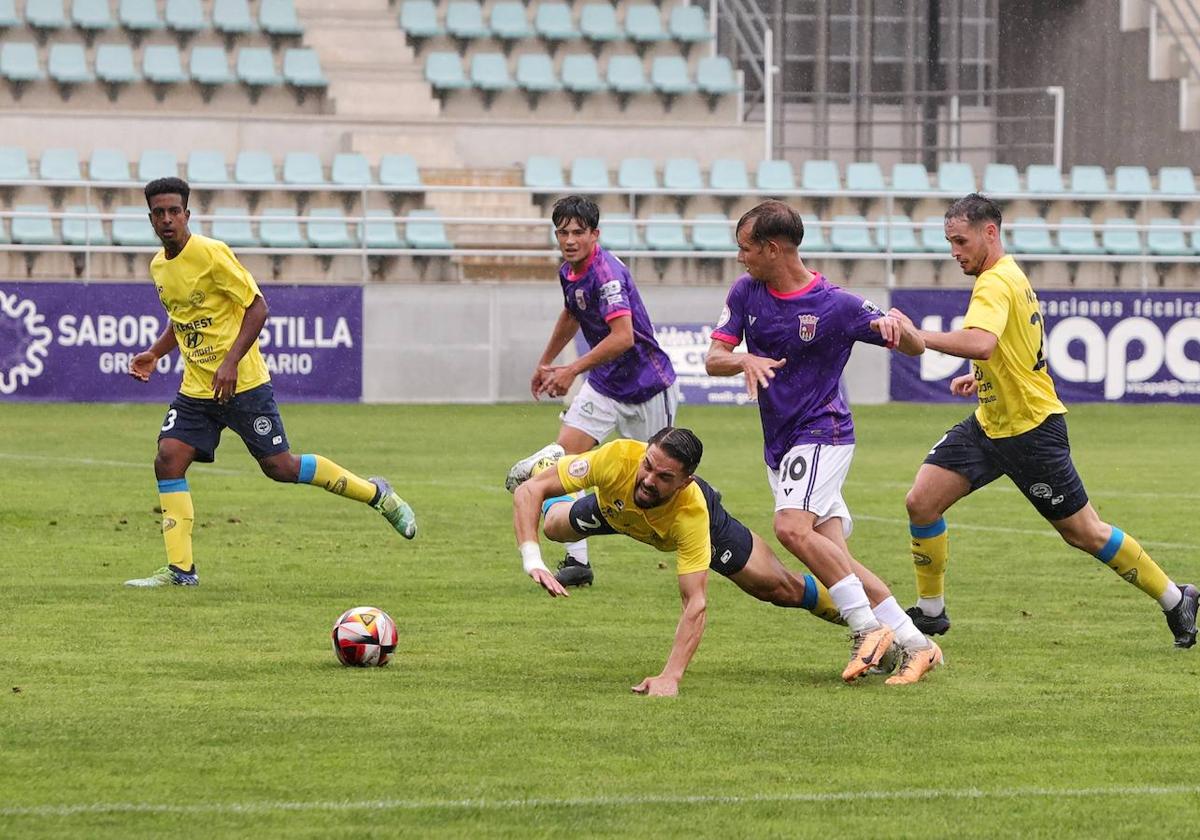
[281, 469]
[919, 509]
[168, 464]
[795, 537]
[1086, 539]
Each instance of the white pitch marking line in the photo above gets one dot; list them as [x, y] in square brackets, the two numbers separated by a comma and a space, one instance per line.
[594, 802]
[1048, 531]
[102, 462]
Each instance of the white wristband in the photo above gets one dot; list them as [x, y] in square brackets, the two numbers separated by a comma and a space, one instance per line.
[531, 557]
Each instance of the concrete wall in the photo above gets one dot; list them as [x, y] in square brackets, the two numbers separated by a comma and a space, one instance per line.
[479, 342]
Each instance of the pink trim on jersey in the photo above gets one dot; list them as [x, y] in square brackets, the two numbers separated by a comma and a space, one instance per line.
[572, 276]
[726, 337]
[817, 278]
[617, 314]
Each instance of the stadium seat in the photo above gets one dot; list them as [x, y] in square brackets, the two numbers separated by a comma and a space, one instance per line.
[589, 173]
[114, 67]
[1176, 181]
[209, 68]
[139, 17]
[713, 237]
[91, 17]
[161, 67]
[256, 70]
[553, 24]
[327, 228]
[67, 66]
[380, 230]
[535, 76]
[864, 177]
[851, 234]
[1043, 178]
[1031, 235]
[729, 174]
[29, 230]
[443, 70]
[1079, 237]
[19, 63]
[108, 165]
[157, 163]
[302, 72]
[303, 168]
[668, 235]
[207, 167]
[775, 176]
[14, 164]
[1089, 179]
[278, 231]
[4, 239]
[644, 26]
[715, 78]
[581, 76]
[618, 233]
[59, 165]
[820, 176]
[185, 18]
[350, 169]
[815, 237]
[1001, 179]
[426, 230]
[419, 20]
[44, 17]
[509, 23]
[132, 227]
[933, 235]
[598, 24]
[896, 234]
[234, 232]
[956, 177]
[637, 174]
[682, 175]
[910, 178]
[1166, 238]
[669, 76]
[399, 170]
[1118, 237]
[278, 19]
[464, 21]
[232, 19]
[254, 169]
[689, 25]
[626, 76]
[88, 231]
[8, 15]
[489, 73]
[543, 173]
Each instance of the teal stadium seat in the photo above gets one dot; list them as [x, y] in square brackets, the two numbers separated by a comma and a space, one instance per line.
[816, 237]
[581, 76]
[865, 177]
[464, 21]
[278, 19]
[509, 23]
[535, 75]
[1031, 235]
[1078, 236]
[669, 76]
[626, 77]
[588, 173]
[644, 25]
[543, 173]
[234, 232]
[29, 230]
[598, 24]
[185, 17]
[254, 169]
[682, 175]
[232, 18]
[852, 233]
[1166, 238]
[327, 228]
[207, 167]
[8, 15]
[157, 163]
[19, 62]
[775, 177]
[109, 165]
[956, 177]
[717, 236]
[91, 17]
[303, 168]
[59, 165]
[14, 164]
[399, 170]
[350, 169]
[209, 68]
[444, 71]
[1001, 179]
[4, 238]
[161, 66]
[89, 231]
[1117, 236]
[489, 72]
[715, 78]
[618, 233]
[278, 231]
[419, 20]
[302, 71]
[132, 227]
[668, 234]
[139, 17]
[820, 176]
[45, 17]
[381, 231]
[896, 233]
[1043, 178]
[68, 66]
[1089, 179]
[910, 178]
[637, 174]
[729, 174]
[554, 25]
[115, 67]
[933, 235]
[1132, 181]
[256, 70]
[426, 230]
[689, 25]
[1176, 181]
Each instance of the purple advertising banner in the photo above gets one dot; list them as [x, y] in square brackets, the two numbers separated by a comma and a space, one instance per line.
[73, 342]
[1100, 346]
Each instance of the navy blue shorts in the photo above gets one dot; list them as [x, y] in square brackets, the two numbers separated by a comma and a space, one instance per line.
[731, 541]
[252, 414]
[1037, 461]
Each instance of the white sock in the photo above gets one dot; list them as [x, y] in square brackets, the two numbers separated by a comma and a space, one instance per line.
[852, 603]
[932, 607]
[1171, 597]
[907, 635]
[578, 550]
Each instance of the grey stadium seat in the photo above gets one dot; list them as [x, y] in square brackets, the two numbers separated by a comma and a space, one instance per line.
[509, 23]
[588, 173]
[581, 76]
[381, 231]
[668, 234]
[351, 169]
[303, 168]
[427, 231]
[553, 23]
[254, 169]
[598, 23]
[637, 174]
[281, 232]
[464, 20]
[59, 165]
[27, 230]
[185, 17]
[729, 174]
[543, 172]
[14, 164]
[669, 75]
[644, 26]
[207, 167]
[689, 25]
[139, 16]
[157, 163]
[535, 75]
[489, 73]
[444, 71]
[683, 175]
[19, 62]
[717, 236]
[209, 67]
[131, 227]
[115, 67]
[775, 175]
[418, 19]
[256, 70]
[278, 19]
[327, 228]
[109, 165]
[161, 65]
[91, 16]
[232, 18]
[68, 66]
[626, 76]
[236, 233]
[399, 170]
[88, 231]
[302, 71]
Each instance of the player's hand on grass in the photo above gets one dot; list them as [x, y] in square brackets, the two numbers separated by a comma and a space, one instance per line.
[659, 686]
[759, 372]
[225, 381]
[548, 582]
[964, 386]
[142, 365]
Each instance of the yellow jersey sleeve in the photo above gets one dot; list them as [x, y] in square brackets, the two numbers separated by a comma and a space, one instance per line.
[989, 305]
[231, 277]
[590, 469]
[692, 540]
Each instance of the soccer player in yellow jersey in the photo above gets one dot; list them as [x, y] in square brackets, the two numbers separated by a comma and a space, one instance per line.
[215, 312]
[648, 491]
[1018, 430]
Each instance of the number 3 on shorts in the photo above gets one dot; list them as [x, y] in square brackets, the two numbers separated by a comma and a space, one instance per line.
[169, 421]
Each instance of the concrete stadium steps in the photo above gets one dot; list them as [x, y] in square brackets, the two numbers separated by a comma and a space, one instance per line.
[485, 205]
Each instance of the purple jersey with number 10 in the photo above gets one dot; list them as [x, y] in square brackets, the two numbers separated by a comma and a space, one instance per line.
[814, 329]
[603, 291]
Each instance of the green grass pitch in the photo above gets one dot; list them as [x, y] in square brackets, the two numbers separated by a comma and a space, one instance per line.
[220, 711]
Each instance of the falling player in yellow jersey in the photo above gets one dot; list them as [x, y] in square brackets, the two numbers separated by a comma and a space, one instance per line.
[648, 491]
[215, 312]
[1018, 430]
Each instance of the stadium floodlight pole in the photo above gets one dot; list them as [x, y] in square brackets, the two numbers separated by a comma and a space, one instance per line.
[1059, 107]
[768, 93]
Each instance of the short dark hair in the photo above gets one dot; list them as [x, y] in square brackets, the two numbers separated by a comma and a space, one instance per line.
[168, 186]
[680, 444]
[975, 208]
[578, 207]
[774, 220]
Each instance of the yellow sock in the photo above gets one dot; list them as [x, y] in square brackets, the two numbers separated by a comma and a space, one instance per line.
[178, 514]
[319, 470]
[1127, 558]
[930, 553]
[818, 601]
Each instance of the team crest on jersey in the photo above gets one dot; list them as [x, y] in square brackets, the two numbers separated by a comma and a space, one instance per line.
[580, 299]
[579, 468]
[808, 327]
[196, 298]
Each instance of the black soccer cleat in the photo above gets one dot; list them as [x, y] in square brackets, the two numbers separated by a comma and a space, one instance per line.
[1182, 619]
[930, 625]
[573, 573]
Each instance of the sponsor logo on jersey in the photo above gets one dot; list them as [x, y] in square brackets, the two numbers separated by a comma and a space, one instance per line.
[579, 468]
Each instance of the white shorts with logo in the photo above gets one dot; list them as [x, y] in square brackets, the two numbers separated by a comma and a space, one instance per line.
[598, 416]
[810, 477]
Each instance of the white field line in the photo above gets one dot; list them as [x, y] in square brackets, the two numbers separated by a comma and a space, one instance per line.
[596, 801]
[147, 465]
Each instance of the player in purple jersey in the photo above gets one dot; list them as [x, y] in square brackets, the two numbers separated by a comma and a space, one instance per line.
[630, 386]
[799, 329]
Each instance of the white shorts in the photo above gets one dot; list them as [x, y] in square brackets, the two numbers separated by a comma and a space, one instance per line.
[598, 416]
[810, 477]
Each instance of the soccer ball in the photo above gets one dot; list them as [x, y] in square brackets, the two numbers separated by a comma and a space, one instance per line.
[364, 636]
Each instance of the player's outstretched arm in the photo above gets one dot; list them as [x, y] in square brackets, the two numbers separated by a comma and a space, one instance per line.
[722, 361]
[225, 379]
[693, 590]
[142, 365]
[527, 507]
[969, 343]
[899, 334]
